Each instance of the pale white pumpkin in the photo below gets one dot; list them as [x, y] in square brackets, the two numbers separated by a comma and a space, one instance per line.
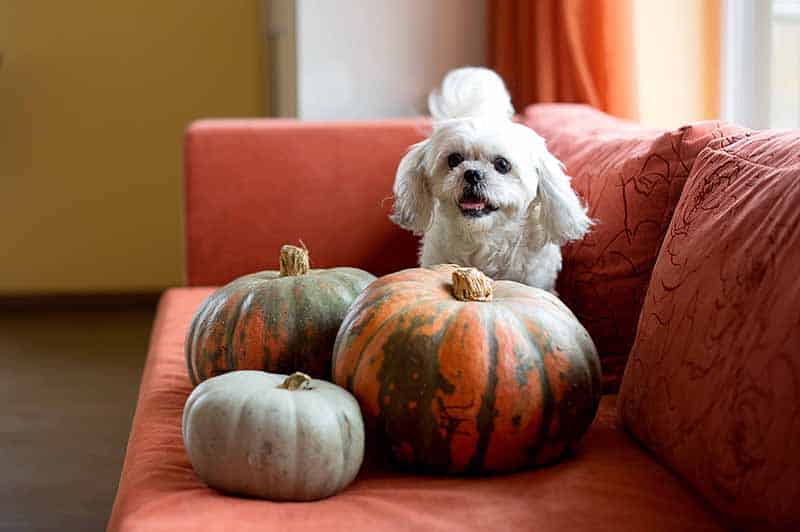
[274, 437]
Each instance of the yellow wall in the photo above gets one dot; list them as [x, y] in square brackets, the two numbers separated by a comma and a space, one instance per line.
[94, 98]
[677, 52]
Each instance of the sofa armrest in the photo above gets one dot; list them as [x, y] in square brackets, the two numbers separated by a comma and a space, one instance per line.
[253, 185]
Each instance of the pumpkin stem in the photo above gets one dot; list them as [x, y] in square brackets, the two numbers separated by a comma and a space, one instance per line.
[470, 284]
[296, 381]
[294, 261]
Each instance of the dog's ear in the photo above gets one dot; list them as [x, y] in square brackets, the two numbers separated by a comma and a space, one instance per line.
[413, 203]
[561, 214]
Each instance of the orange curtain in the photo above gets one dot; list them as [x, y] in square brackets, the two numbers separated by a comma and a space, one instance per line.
[566, 51]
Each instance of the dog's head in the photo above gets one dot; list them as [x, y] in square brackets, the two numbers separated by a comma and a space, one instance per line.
[480, 170]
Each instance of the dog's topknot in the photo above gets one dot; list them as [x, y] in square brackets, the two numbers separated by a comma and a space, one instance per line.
[470, 92]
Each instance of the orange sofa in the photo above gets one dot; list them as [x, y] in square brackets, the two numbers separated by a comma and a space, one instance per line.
[688, 284]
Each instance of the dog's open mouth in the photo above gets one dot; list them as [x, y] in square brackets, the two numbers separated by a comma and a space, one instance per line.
[475, 206]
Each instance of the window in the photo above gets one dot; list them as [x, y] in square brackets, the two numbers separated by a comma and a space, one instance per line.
[785, 64]
[761, 63]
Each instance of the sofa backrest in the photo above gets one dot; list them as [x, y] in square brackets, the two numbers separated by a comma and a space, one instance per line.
[254, 185]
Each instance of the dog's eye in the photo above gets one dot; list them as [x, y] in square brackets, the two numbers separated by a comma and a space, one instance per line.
[502, 165]
[454, 159]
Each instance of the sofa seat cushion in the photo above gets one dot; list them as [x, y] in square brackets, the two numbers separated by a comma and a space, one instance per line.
[631, 179]
[713, 381]
[610, 484]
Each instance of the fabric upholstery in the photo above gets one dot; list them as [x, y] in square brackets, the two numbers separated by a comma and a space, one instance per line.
[631, 178]
[713, 382]
[610, 484]
[327, 184]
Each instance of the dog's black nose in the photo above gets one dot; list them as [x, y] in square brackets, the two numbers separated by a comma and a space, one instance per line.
[473, 177]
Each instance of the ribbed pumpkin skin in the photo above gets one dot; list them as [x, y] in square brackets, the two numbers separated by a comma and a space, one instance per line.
[467, 387]
[245, 435]
[263, 321]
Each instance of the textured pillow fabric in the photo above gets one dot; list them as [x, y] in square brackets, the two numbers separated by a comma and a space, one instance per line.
[631, 179]
[713, 382]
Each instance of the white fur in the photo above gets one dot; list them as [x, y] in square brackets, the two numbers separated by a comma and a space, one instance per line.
[537, 210]
[468, 92]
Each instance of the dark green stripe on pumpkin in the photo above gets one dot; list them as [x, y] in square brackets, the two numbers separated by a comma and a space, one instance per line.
[337, 294]
[298, 311]
[354, 331]
[204, 318]
[407, 375]
[487, 412]
[191, 341]
[228, 350]
[581, 395]
[239, 347]
[190, 344]
[308, 342]
[287, 360]
[546, 391]
[269, 319]
[524, 359]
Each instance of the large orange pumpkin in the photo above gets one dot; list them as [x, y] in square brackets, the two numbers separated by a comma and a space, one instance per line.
[277, 321]
[460, 374]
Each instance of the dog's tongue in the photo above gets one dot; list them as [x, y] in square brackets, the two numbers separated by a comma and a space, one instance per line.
[472, 205]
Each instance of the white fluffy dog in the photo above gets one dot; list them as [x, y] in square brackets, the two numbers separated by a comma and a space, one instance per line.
[483, 190]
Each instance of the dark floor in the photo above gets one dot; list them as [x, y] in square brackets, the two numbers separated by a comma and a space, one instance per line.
[68, 384]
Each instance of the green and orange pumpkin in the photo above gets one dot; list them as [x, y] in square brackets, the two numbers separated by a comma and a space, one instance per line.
[460, 374]
[277, 321]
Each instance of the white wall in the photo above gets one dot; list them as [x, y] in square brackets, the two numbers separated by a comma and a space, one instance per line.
[359, 59]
